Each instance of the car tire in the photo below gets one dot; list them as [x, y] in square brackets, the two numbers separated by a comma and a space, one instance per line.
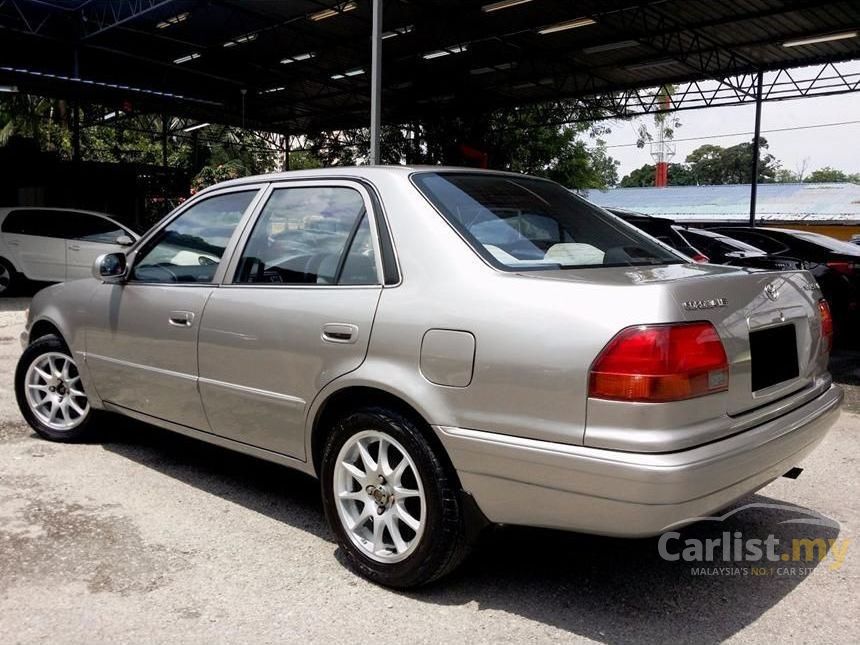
[9, 278]
[431, 540]
[50, 393]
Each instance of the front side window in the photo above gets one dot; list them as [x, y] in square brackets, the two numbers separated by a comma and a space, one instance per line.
[519, 223]
[90, 228]
[189, 249]
[310, 235]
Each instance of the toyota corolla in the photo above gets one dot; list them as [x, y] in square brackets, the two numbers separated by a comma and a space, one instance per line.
[442, 348]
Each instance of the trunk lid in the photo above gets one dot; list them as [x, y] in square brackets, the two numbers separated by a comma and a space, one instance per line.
[768, 321]
[769, 325]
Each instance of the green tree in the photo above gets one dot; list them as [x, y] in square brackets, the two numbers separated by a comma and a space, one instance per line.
[786, 176]
[711, 164]
[827, 174]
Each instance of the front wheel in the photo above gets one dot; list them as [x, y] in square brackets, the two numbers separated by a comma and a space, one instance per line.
[391, 500]
[50, 393]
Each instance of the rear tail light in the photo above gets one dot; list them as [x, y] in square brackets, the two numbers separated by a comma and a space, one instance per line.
[843, 267]
[826, 325]
[701, 259]
[658, 363]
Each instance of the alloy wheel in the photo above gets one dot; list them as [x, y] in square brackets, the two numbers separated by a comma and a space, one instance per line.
[54, 391]
[379, 496]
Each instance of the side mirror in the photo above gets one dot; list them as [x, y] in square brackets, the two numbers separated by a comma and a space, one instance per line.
[110, 267]
[124, 240]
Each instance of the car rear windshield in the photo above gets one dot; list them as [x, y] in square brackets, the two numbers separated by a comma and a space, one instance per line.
[829, 243]
[523, 223]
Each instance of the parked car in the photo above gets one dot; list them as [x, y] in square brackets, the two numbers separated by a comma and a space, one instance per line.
[834, 263]
[855, 239]
[54, 244]
[442, 348]
[661, 228]
[722, 249]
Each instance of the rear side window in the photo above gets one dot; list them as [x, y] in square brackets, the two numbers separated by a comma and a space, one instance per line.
[310, 235]
[520, 223]
[34, 221]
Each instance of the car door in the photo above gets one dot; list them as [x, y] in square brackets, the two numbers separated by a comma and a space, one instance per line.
[35, 239]
[295, 312]
[88, 236]
[142, 342]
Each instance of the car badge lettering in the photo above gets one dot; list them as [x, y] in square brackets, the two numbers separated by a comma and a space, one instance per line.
[708, 303]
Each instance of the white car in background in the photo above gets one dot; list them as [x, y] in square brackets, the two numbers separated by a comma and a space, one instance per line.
[55, 244]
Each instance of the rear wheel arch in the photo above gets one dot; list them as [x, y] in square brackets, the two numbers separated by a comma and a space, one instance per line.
[340, 403]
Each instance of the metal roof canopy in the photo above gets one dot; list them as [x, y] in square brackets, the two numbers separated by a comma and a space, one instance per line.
[304, 65]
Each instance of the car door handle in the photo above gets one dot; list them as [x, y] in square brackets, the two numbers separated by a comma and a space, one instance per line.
[181, 318]
[74, 247]
[13, 243]
[343, 333]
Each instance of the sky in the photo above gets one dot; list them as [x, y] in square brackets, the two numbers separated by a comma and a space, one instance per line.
[836, 146]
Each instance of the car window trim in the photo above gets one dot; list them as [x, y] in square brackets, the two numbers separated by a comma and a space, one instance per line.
[143, 242]
[229, 276]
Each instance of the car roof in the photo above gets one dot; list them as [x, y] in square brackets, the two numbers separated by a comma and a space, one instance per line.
[5, 210]
[369, 172]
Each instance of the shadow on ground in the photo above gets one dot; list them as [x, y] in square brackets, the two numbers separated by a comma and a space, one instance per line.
[606, 589]
[845, 367]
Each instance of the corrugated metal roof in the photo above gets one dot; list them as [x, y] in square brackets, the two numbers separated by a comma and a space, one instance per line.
[776, 202]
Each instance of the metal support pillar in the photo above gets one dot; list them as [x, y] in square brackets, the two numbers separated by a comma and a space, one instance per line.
[755, 148]
[376, 82]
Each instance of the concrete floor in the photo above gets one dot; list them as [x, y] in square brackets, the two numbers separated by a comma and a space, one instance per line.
[150, 537]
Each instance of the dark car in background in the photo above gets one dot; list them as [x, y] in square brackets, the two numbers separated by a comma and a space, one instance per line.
[722, 249]
[661, 228]
[834, 263]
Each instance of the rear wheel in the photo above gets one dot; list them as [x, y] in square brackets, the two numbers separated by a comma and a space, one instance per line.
[8, 278]
[50, 393]
[391, 500]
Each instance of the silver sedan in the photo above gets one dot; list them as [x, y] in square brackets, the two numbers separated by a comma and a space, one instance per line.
[443, 348]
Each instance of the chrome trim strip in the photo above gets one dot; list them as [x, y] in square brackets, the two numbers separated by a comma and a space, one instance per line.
[285, 398]
[145, 368]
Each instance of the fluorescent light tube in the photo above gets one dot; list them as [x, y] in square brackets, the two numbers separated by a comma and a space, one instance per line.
[173, 20]
[330, 13]
[568, 24]
[823, 38]
[196, 127]
[502, 4]
[185, 59]
[454, 49]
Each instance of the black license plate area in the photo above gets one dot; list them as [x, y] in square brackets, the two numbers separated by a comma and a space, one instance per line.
[773, 353]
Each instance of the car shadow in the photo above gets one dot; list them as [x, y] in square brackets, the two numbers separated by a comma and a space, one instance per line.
[607, 589]
[845, 368]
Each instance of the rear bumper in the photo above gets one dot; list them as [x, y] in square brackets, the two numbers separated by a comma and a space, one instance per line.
[539, 483]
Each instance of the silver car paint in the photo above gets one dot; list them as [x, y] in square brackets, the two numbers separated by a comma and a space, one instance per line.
[536, 336]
